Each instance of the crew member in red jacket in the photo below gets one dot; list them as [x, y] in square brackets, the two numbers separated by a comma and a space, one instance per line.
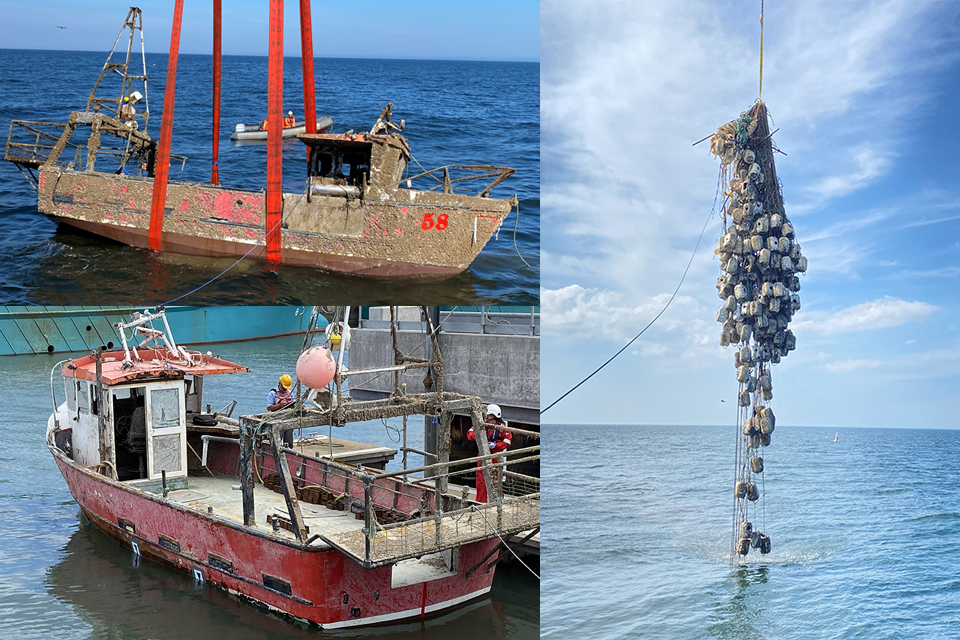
[498, 440]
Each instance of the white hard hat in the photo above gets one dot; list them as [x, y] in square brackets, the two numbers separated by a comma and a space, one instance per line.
[289, 113]
[493, 410]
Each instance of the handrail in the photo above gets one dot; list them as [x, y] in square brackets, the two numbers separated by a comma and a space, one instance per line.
[491, 171]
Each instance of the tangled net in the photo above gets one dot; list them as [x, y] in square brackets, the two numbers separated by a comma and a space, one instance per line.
[761, 260]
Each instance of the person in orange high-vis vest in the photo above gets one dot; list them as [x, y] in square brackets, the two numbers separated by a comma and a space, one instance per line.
[289, 121]
[498, 441]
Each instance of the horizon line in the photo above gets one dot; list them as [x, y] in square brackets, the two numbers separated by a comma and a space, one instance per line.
[725, 426]
[256, 55]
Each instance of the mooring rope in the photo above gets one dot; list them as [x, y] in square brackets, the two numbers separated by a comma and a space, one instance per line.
[240, 259]
[492, 528]
[713, 209]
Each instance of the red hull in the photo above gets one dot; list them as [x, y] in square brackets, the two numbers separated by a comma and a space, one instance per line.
[326, 587]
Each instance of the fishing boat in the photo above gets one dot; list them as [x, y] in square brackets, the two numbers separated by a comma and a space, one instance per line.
[362, 209]
[292, 529]
[253, 133]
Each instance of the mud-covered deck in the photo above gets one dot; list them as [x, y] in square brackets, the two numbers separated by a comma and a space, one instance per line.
[218, 492]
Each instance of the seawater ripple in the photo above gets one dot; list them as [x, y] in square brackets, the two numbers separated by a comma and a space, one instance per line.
[866, 535]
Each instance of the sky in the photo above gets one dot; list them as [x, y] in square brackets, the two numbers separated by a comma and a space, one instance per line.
[413, 29]
[865, 95]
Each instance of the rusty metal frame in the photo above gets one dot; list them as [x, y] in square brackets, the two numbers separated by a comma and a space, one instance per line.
[499, 174]
[440, 403]
[133, 22]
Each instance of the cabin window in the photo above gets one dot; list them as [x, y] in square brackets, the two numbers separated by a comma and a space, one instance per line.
[193, 394]
[166, 408]
[166, 453]
[350, 166]
[70, 388]
[83, 396]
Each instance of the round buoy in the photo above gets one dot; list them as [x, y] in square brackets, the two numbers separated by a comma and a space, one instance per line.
[316, 367]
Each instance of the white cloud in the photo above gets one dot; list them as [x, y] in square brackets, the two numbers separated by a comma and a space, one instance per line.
[573, 313]
[878, 314]
[868, 165]
[844, 366]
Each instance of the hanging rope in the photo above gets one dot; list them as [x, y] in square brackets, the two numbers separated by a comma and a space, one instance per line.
[761, 49]
[713, 209]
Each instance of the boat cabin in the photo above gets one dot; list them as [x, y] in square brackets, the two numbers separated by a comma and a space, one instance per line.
[137, 425]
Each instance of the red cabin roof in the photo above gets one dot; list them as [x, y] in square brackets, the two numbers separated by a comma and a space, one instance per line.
[153, 365]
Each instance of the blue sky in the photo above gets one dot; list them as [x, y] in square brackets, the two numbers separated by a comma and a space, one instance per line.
[866, 96]
[413, 29]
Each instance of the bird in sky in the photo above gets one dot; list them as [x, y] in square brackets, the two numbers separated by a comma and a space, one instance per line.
[59, 27]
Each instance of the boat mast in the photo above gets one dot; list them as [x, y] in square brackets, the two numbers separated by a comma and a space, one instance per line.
[133, 22]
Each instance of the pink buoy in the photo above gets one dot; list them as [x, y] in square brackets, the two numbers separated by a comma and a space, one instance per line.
[316, 367]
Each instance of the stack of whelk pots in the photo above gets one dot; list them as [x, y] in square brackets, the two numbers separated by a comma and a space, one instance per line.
[761, 260]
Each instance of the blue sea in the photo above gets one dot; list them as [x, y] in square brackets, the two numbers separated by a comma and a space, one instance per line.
[60, 578]
[865, 534]
[455, 112]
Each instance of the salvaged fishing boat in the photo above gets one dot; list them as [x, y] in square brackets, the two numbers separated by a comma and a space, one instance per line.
[361, 210]
[253, 133]
[293, 529]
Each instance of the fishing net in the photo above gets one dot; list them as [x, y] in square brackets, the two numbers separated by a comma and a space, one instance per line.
[761, 262]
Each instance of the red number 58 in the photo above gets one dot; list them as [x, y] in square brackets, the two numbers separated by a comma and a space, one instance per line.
[429, 223]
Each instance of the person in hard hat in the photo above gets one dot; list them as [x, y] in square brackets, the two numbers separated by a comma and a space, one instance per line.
[498, 441]
[289, 121]
[280, 397]
[127, 110]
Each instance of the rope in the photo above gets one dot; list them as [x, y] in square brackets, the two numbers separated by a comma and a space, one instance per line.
[525, 565]
[516, 222]
[665, 307]
[761, 50]
[239, 260]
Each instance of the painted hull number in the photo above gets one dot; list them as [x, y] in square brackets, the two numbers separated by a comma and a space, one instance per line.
[429, 223]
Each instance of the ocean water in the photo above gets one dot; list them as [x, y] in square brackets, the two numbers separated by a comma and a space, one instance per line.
[62, 578]
[456, 113]
[865, 533]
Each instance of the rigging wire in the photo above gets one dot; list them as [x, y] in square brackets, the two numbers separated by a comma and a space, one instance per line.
[665, 307]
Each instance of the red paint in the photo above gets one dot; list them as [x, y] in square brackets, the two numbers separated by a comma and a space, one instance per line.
[215, 169]
[275, 134]
[166, 132]
[429, 223]
[318, 575]
[123, 189]
[403, 209]
[306, 53]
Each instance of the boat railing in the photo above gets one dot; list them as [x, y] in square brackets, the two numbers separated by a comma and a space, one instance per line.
[31, 143]
[422, 517]
[451, 179]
